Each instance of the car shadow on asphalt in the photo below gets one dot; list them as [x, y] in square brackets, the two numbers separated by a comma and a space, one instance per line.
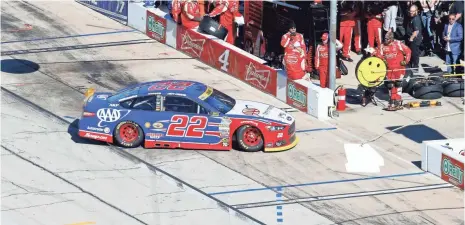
[73, 130]
[418, 133]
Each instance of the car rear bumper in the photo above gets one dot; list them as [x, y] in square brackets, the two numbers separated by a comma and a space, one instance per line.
[292, 144]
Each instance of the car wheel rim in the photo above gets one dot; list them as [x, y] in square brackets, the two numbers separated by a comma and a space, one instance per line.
[128, 133]
[252, 137]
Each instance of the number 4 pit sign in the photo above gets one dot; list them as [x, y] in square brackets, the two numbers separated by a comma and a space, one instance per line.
[117, 10]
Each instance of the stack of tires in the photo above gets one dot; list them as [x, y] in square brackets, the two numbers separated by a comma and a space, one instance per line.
[431, 88]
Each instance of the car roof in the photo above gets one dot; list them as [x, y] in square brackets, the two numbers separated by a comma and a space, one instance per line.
[195, 89]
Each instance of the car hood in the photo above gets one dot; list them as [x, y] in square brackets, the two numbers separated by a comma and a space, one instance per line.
[260, 110]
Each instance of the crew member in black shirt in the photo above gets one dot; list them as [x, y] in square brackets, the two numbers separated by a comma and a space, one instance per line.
[414, 37]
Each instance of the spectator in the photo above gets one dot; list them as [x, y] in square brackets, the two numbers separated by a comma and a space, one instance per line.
[390, 15]
[453, 35]
[457, 9]
[440, 14]
[428, 8]
[414, 37]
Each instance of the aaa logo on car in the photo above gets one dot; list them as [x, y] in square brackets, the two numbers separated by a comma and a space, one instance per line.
[110, 115]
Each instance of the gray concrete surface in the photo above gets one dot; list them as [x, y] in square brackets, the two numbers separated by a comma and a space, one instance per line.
[64, 73]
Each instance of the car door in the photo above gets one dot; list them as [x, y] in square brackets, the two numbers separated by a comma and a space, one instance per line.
[146, 111]
[190, 123]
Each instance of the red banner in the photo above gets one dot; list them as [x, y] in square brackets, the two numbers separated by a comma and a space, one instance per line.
[296, 95]
[230, 61]
[155, 27]
[191, 43]
[452, 171]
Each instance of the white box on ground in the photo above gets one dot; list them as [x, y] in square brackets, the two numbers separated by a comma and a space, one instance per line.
[362, 159]
[319, 100]
[137, 16]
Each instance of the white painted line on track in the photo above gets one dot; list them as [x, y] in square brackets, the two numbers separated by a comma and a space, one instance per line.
[342, 196]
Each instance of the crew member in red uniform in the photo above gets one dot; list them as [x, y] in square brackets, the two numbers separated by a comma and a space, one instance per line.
[358, 28]
[190, 15]
[228, 11]
[176, 10]
[322, 59]
[295, 53]
[374, 25]
[346, 29]
[396, 55]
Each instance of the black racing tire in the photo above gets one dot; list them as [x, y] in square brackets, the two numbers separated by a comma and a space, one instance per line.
[453, 88]
[249, 144]
[128, 134]
[409, 82]
[427, 90]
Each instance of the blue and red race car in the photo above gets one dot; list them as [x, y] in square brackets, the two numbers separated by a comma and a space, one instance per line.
[184, 114]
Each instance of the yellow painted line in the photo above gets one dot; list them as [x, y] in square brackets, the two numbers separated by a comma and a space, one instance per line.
[81, 223]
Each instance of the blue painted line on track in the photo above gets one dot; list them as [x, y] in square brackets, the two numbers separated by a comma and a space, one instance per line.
[71, 36]
[316, 129]
[319, 183]
[279, 208]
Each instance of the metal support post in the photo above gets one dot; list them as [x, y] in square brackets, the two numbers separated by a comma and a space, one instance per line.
[332, 44]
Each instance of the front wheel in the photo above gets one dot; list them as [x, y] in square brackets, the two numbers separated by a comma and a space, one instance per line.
[249, 138]
[129, 134]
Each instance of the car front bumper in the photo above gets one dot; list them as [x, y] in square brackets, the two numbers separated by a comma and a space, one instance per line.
[292, 144]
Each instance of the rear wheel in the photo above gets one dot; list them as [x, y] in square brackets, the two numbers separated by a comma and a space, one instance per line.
[129, 134]
[249, 138]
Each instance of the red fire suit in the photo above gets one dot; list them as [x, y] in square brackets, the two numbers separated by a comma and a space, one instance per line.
[357, 30]
[394, 54]
[295, 54]
[176, 10]
[346, 29]
[322, 62]
[374, 26]
[190, 10]
[228, 10]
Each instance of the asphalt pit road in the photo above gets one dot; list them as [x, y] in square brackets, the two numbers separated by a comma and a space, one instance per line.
[18, 66]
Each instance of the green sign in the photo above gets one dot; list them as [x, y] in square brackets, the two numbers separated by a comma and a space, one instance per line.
[453, 171]
[296, 95]
[156, 26]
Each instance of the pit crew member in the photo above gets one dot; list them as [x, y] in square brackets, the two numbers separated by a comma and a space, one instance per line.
[295, 53]
[322, 59]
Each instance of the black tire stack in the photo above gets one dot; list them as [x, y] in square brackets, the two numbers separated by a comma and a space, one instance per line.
[430, 88]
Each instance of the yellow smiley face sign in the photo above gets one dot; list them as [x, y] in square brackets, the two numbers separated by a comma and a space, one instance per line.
[371, 72]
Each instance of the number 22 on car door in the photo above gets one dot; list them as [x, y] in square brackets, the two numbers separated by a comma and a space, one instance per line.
[188, 128]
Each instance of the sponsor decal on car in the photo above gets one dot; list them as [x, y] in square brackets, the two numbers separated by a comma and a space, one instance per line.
[452, 171]
[261, 77]
[269, 144]
[249, 122]
[289, 118]
[147, 125]
[206, 94]
[297, 96]
[109, 115]
[157, 125]
[268, 110]
[114, 105]
[155, 135]
[95, 129]
[250, 111]
[103, 97]
[96, 137]
[280, 135]
[225, 142]
[194, 46]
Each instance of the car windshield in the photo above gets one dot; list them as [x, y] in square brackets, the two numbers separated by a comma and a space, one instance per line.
[220, 101]
[123, 94]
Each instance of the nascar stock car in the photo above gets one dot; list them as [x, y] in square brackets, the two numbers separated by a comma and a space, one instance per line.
[186, 115]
